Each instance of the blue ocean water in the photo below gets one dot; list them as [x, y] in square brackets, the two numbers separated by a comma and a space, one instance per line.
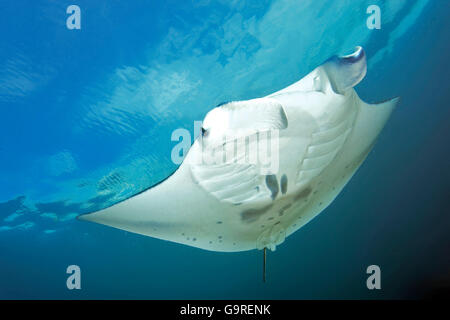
[86, 118]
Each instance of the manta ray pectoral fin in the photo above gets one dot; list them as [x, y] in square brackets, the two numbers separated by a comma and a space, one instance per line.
[370, 121]
[345, 72]
[373, 117]
[160, 211]
[176, 210]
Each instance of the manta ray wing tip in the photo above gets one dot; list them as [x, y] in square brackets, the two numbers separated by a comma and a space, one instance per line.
[85, 216]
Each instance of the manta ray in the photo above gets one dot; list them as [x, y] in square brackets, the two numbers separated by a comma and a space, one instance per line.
[323, 132]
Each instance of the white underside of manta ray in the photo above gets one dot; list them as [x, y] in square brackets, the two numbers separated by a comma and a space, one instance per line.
[324, 132]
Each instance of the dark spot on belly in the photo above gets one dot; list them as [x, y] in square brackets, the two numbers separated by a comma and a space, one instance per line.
[251, 215]
[302, 194]
[284, 209]
[272, 184]
[284, 184]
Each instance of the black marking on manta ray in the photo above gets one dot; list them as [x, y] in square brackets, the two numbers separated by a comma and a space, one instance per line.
[223, 103]
[272, 184]
[284, 209]
[134, 195]
[154, 225]
[252, 215]
[302, 194]
[284, 184]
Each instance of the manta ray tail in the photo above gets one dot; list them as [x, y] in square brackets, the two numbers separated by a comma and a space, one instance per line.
[264, 264]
